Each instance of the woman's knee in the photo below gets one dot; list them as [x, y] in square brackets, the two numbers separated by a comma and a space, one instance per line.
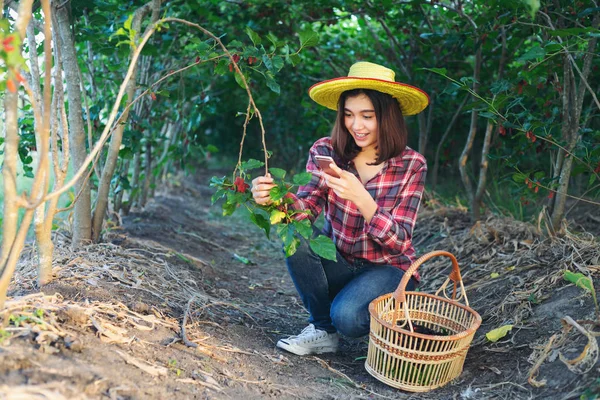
[350, 321]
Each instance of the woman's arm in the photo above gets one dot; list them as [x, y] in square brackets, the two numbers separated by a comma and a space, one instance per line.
[394, 228]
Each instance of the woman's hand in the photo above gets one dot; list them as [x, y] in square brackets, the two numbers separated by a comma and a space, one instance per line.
[261, 186]
[349, 187]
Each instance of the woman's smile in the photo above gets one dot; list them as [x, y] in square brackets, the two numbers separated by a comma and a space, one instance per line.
[361, 122]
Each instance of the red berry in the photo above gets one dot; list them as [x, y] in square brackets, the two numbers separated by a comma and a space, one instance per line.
[240, 185]
[6, 43]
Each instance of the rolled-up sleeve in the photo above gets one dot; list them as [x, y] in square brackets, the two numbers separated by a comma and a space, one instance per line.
[393, 228]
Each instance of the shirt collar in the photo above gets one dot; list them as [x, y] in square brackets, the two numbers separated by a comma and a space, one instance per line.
[398, 161]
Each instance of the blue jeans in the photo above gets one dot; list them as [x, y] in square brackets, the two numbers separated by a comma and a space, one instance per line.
[337, 293]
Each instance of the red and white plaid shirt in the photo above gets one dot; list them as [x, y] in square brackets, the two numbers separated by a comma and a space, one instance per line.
[397, 190]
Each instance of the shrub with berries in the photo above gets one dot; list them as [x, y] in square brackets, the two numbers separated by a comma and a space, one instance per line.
[290, 224]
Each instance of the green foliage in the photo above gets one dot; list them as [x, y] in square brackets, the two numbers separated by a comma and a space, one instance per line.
[291, 225]
[4, 335]
[583, 282]
[592, 392]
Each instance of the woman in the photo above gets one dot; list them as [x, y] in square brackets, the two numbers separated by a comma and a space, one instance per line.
[370, 210]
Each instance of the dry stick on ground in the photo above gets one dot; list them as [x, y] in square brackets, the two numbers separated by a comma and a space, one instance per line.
[185, 317]
[325, 365]
[194, 235]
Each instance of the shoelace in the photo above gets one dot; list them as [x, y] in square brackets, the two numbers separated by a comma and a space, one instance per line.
[306, 332]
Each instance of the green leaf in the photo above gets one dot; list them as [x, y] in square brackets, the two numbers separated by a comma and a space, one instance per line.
[294, 59]
[273, 39]
[271, 84]
[286, 233]
[253, 36]
[308, 38]
[127, 23]
[496, 334]
[302, 178]
[277, 173]
[324, 247]
[519, 178]
[217, 195]
[277, 193]
[439, 71]
[500, 86]
[572, 31]
[304, 228]
[533, 5]
[532, 54]
[277, 63]
[291, 248]
[580, 280]
[228, 208]
[268, 63]
[239, 80]
[260, 221]
[251, 164]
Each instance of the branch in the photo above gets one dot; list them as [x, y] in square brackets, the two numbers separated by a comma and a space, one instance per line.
[459, 11]
[592, 42]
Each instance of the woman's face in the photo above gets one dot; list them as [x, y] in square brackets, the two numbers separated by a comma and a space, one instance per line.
[361, 122]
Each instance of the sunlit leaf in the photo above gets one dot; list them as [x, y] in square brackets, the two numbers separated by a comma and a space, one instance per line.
[276, 216]
[496, 334]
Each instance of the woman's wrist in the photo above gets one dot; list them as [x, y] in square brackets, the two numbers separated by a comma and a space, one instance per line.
[367, 207]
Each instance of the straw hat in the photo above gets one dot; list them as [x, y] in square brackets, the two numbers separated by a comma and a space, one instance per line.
[366, 75]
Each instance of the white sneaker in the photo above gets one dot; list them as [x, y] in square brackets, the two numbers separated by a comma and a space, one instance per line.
[310, 341]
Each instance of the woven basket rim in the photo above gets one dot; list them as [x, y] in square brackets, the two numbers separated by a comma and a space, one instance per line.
[474, 326]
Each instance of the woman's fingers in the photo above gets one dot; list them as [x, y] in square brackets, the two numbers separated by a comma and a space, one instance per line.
[261, 186]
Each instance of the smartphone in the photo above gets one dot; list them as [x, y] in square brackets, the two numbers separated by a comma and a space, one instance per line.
[323, 163]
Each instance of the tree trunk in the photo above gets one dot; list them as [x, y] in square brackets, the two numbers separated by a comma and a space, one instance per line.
[478, 198]
[573, 98]
[425, 126]
[135, 181]
[148, 172]
[12, 244]
[117, 136]
[82, 215]
[436, 164]
[9, 174]
[462, 166]
[118, 201]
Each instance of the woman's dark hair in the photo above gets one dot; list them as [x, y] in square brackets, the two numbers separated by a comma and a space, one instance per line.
[392, 137]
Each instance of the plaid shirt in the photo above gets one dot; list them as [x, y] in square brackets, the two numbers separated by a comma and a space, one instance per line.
[397, 190]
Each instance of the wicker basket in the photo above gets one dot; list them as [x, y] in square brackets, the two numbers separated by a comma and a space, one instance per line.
[402, 357]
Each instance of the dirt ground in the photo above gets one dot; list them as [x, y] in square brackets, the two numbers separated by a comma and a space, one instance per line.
[110, 325]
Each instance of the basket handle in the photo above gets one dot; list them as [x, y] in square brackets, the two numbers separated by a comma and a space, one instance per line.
[400, 292]
[455, 277]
